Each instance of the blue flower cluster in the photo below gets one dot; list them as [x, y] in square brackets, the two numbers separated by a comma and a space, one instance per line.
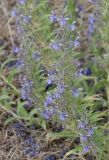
[65, 27]
[86, 133]
[51, 104]
[25, 90]
[91, 16]
[29, 144]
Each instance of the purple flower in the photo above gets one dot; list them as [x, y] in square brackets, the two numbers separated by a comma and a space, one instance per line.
[53, 18]
[14, 12]
[20, 63]
[18, 126]
[63, 116]
[72, 27]
[91, 19]
[47, 113]
[16, 50]
[49, 81]
[52, 76]
[22, 1]
[82, 125]
[59, 91]
[31, 142]
[62, 21]
[79, 8]
[31, 152]
[20, 133]
[90, 29]
[20, 129]
[48, 101]
[77, 42]
[20, 30]
[61, 88]
[90, 131]
[75, 92]
[56, 95]
[83, 138]
[36, 55]
[91, 24]
[27, 84]
[86, 149]
[55, 45]
[52, 73]
[26, 19]
[86, 72]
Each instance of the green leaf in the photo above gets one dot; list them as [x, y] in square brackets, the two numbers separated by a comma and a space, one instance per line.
[43, 124]
[4, 97]
[33, 112]
[21, 110]
[63, 134]
[9, 120]
[76, 151]
[94, 117]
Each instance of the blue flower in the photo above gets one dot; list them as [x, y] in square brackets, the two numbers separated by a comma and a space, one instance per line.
[26, 19]
[61, 88]
[77, 42]
[31, 152]
[20, 129]
[51, 76]
[36, 55]
[63, 116]
[80, 8]
[25, 89]
[31, 142]
[49, 81]
[53, 18]
[62, 21]
[87, 71]
[14, 12]
[48, 101]
[75, 92]
[18, 126]
[83, 138]
[22, 1]
[91, 24]
[20, 133]
[48, 113]
[55, 45]
[20, 63]
[86, 149]
[90, 131]
[56, 95]
[73, 26]
[16, 50]
[82, 125]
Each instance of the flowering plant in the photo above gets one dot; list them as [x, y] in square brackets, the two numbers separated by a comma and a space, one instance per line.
[63, 73]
